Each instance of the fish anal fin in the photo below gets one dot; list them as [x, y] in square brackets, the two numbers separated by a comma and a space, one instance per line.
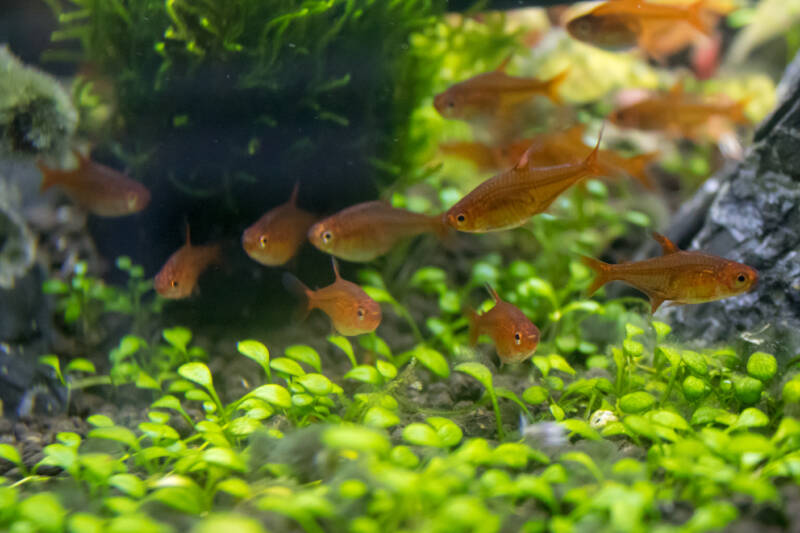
[474, 325]
[554, 84]
[655, 303]
[335, 268]
[667, 246]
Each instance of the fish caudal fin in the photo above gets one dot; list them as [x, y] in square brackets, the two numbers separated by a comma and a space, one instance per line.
[302, 292]
[553, 85]
[474, 330]
[602, 271]
[49, 176]
[439, 225]
[697, 18]
[636, 167]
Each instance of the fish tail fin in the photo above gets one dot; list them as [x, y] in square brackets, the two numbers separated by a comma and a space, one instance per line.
[591, 162]
[50, 176]
[738, 110]
[303, 294]
[636, 166]
[554, 84]
[439, 225]
[474, 330]
[698, 19]
[215, 256]
[602, 271]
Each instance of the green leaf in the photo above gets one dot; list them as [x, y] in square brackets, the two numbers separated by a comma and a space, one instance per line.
[696, 362]
[585, 460]
[224, 457]
[144, 381]
[10, 454]
[178, 337]
[380, 417]
[580, 427]
[100, 421]
[128, 484]
[316, 384]
[365, 374]
[636, 402]
[791, 391]
[116, 433]
[449, 433]
[762, 366]
[713, 516]
[694, 388]
[559, 363]
[234, 486]
[355, 438]
[535, 395]
[304, 354]
[287, 366]
[196, 373]
[386, 369]
[158, 431]
[668, 419]
[80, 365]
[302, 400]
[662, 330]
[55, 286]
[52, 361]
[228, 523]
[85, 523]
[421, 435]
[748, 390]
[403, 456]
[244, 425]
[185, 499]
[343, 344]
[68, 438]
[477, 371]
[273, 394]
[432, 360]
[256, 351]
[557, 412]
[43, 511]
[751, 418]
[60, 455]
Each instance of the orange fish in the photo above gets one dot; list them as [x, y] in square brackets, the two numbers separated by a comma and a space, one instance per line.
[368, 230]
[509, 199]
[514, 335]
[682, 277]
[484, 157]
[493, 93]
[621, 24]
[351, 310]
[276, 236]
[178, 277]
[680, 114]
[99, 189]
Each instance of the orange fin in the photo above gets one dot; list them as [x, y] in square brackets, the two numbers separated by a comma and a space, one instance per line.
[188, 234]
[525, 160]
[603, 271]
[655, 303]
[637, 165]
[667, 246]
[696, 19]
[503, 64]
[553, 85]
[493, 293]
[591, 160]
[83, 160]
[49, 176]
[678, 88]
[302, 292]
[335, 268]
[440, 226]
[293, 197]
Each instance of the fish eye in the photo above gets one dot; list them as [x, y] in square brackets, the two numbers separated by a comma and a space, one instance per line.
[517, 338]
[360, 313]
[173, 283]
[741, 278]
[461, 218]
[327, 236]
[451, 103]
[263, 241]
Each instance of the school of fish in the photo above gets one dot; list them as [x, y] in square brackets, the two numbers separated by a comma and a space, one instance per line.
[531, 173]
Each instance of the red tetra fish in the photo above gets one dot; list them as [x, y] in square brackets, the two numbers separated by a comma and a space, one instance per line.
[682, 277]
[368, 230]
[680, 114]
[101, 190]
[509, 199]
[492, 93]
[514, 335]
[621, 24]
[276, 236]
[178, 277]
[351, 310]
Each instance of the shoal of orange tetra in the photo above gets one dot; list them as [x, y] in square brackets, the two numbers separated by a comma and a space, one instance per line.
[275, 237]
[101, 190]
[349, 307]
[178, 277]
[368, 230]
[678, 276]
[514, 335]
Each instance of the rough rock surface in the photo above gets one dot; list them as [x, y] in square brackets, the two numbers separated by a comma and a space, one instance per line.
[750, 212]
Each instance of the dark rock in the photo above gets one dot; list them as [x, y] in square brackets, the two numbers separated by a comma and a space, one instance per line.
[750, 213]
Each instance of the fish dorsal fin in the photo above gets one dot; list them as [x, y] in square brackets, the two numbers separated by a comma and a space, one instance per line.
[335, 268]
[493, 293]
[188, 234]
[525, 160]
[83, 160]
[293, 197]
[667, 246]
[678, 89]
[501, 68]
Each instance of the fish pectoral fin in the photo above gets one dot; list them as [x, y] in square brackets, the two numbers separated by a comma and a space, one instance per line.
[667, 246]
